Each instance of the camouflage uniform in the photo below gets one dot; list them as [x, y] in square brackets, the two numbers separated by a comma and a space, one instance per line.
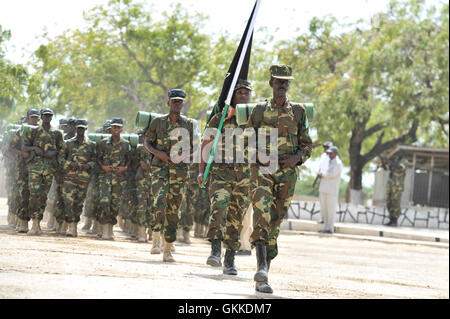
[190, 199]
[202, 206]
[397, 170]
[129, 204]
[20, 187]
[76, 182]
[143, 188]
[167, 180]
[273, 192]
[228, 190]
[57, 196]
[111, 185]
[41, 170]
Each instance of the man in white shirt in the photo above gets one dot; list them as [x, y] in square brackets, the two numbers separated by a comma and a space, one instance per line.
[323, 166]
[329, 189]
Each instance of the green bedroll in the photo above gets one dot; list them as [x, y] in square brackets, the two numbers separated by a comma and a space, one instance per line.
[243, 111]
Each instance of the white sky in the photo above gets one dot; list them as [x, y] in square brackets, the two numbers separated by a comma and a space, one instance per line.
[27, 20]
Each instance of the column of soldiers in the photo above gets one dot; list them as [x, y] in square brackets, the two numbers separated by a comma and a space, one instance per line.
[152, 186]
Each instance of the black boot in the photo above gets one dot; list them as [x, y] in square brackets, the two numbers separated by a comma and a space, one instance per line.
[392, 222]
[229, 267]
[216, 251]
[263, 287]
[261, 259]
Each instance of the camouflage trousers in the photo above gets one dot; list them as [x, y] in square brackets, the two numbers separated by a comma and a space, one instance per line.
[111, 187]
[74, 194]
[11, 188]
[187, 207]
[201, 207]
[23, 193]
[59, 205]
[271, 199]
[55, 201]
[393, 200]
[90, 204]
[128, 204]
[144, 200]
[168, 191]
[228, 189]
[39, 183]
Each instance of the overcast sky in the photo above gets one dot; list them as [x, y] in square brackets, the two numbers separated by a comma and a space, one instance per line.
[27, 19]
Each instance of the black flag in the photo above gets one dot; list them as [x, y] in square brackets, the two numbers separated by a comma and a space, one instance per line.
[243, 74]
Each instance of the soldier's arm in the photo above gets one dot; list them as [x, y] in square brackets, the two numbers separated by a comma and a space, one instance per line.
[15, 147]
[304, 140]
[100, 154]
[62, 157]
[27, 143]
[207, 144]
[92, 156]
[151, 141]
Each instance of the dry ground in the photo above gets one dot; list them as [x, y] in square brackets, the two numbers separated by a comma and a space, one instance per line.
[308, 266]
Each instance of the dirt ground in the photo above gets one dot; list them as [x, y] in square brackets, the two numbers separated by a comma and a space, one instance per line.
[309, 266]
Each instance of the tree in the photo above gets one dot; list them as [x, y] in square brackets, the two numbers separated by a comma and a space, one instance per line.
[125, 62]
[375, 88]
[13, 82]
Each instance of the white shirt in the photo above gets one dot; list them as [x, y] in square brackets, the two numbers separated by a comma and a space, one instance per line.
[330, 181]
[323, 163]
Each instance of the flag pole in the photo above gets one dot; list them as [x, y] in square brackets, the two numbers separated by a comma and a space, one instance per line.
[231, 91]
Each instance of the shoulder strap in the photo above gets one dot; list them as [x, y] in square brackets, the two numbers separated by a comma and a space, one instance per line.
[161, 124]
[298, 109]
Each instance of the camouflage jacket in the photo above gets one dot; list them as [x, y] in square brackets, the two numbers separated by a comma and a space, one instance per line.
[292, 125]
[238, 147]
[158, 135]
[114, 154]
[16, 143]
[397, 170]
[79, 153]
[51, 140]
[144, 155]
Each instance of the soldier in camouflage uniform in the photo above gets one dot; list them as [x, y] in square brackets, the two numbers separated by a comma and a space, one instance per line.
[91, 204]
[21, 176]
[229, 187]
[274, 190]
[129, 201]
[70, 132]
[202, 212]
[114, 159]
[45, 143]
[396, 166]
[188, 206]
[143, 190]
[10, 164]
[77, 159]
[169, 170]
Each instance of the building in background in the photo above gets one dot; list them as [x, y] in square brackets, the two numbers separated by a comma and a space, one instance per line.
[426, 180]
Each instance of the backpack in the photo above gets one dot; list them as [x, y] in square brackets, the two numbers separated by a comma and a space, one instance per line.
[297, 108]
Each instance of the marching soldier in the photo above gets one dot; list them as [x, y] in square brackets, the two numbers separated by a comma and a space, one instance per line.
[169, 173]
[21, 175]
[77, 159]
[396, 166]
[143, 190]
[229, 187]
[114, 160]
[45, 143]
[274, 190]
